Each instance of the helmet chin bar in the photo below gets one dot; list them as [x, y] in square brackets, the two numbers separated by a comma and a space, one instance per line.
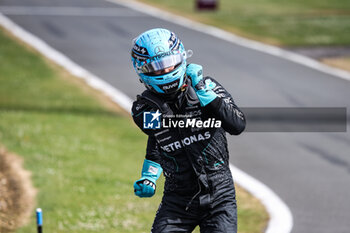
[175, 98]
[177, 95]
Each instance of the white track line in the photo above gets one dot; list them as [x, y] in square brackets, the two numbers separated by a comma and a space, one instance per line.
[69, 11]
[117, 96]
[281, 220]
[230, 37]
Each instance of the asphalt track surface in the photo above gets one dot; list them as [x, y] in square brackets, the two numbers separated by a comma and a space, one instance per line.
[309, 171]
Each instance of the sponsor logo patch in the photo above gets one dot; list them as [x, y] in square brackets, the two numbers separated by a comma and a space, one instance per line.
[159, 50]
[153, 170]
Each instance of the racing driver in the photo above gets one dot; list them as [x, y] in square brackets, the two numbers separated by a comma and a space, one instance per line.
[193, 155]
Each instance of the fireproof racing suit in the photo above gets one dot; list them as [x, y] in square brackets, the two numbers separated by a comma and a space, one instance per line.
[199, 188]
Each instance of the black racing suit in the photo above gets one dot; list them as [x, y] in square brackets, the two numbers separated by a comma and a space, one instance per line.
[198, 189]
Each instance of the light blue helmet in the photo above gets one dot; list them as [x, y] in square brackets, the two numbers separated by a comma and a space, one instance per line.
[159, 58]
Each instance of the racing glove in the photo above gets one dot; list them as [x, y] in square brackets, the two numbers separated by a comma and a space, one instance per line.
[203, 89]
[146, 186]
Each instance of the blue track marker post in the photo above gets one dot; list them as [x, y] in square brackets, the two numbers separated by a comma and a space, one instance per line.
[39, 220]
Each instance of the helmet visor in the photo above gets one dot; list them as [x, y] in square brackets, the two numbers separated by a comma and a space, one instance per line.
[162, 65]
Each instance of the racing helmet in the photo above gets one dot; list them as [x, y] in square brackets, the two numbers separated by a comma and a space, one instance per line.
[159, 59]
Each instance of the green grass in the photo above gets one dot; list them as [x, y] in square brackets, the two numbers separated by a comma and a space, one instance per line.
[282, 22]
[84, 157]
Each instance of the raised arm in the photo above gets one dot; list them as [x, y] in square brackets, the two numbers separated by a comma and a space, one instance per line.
[217, 100]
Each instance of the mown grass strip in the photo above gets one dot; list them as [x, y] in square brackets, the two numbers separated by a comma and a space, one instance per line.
[279, 22]
[84, 155]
